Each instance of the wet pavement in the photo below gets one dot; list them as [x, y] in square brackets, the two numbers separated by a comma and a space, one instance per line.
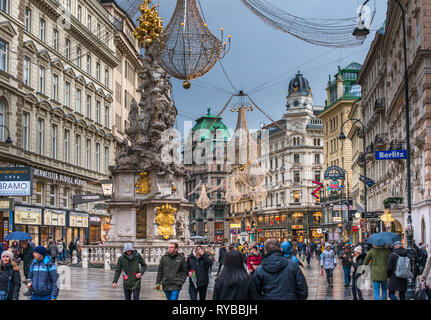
[96, 284]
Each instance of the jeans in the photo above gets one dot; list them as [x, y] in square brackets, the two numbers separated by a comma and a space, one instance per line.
[356, 292]
[136, 293]
[308, 260]
[393, 296]
[380, 284]
[329, 274]
[347, 277]
[172, 295]
[33, 297]
[194, 292]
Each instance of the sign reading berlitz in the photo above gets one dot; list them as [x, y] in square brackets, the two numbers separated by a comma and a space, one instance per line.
[15, 181]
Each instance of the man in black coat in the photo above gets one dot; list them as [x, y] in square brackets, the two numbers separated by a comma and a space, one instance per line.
[200, 263]
[221, 254]
[395, 283]
[279, 278]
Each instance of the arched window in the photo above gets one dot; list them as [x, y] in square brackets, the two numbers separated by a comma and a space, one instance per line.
[2, 120]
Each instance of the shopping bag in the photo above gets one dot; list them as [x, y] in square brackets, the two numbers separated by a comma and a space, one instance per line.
[321, 273]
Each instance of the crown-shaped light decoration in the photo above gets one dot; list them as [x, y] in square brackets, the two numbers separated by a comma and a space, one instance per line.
[187, 49]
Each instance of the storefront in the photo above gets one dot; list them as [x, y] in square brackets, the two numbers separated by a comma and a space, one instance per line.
[218, 232]
[6, 206]
[265, 234]
[316, 234]
[54, 225]
[28, 219]
[77, 227]
[235, 230]
[106, 226]
[95, 230]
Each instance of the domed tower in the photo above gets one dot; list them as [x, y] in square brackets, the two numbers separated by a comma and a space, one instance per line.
[299, 95]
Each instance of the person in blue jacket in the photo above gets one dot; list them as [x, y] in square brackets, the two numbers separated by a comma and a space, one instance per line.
[286, 246]
[43, 276]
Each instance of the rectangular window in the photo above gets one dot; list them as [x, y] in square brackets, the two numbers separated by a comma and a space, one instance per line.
[88, 154]
[64, 198]
[66, 147]
[78, 100]
[55, 87]
[317, 176]
[98, 71]
[55, 39]
[41, 79]
[42, 30]
[89, 64]
[78, 57]
[420, 104]
[296, 196]
[67, 49]
[67, 94]
[78, 13]
[27, 19]
[418, 32]
[3, 55]
[54, 142]
[52, 195]
[40, 136]
[88, 106]
[106, 78]
[296, 158]
[38, 193]
[317, 158]
[97, 157]
[99, 30]
[296, 176]
[78, 150]
[106, 159]
[27, 66]
[89, 22]
[25, 130]
[98, 111]
[106, 116]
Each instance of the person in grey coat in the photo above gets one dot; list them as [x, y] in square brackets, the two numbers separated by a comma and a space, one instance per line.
[328, 262]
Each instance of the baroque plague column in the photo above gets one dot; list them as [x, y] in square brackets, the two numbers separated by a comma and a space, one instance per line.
[148, 206]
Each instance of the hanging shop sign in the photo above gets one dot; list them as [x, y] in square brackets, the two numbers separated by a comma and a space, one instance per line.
[297, 227]
[334, 186]
[54, 217]
[94, 219]
[334, 173]
[25, 215]
[59, 177]
[319, 230]
[85, 198]
[235, 226]
[6, 204]
[15, 181]
[78, 219]
[336, 219]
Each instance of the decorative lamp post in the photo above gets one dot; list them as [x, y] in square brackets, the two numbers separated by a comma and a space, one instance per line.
[411, 281]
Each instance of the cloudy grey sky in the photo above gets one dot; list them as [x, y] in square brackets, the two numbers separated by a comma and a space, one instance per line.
[260, 53]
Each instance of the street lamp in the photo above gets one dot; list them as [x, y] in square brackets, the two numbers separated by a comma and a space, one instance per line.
[411, 282]
[342, 136]
[8, 140]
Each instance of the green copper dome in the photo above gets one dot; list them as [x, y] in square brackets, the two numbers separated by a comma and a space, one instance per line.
[212, 123]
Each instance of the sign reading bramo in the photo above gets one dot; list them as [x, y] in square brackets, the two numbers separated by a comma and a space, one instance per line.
[15, 181]
[59, 177]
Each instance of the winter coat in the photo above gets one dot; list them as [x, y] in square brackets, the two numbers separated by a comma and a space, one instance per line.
[130, 267]
[328, 260]
[245, 290]
[53, 250]
[279, 278]
[43, 277]
[172, 271]
[427, 274]
[221, 255]
[27, 254]
[201, 266]
[378, 260]
[359, 261]
[254, 259]
[346, 261]
[289, 252]
[395, 283]
[15, 282]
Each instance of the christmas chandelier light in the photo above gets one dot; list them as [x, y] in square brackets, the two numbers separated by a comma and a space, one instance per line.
[203, 202]
[187, 49]
[336, 33]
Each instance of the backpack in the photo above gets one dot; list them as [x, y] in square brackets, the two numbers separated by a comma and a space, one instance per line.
[403, 267]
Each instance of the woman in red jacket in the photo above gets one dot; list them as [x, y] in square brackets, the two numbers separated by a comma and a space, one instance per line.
[254, 259]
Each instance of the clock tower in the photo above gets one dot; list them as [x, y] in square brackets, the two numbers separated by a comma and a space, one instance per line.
[299, 96]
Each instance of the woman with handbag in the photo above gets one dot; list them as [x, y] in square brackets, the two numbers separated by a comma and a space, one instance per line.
[10, 279]
[426, 276]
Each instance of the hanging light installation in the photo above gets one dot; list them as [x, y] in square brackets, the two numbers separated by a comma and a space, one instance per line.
[187, 49]
[336, 33]
[253, 175]
[150, 25]
[232, 194]
[203, 202]
[258, 194]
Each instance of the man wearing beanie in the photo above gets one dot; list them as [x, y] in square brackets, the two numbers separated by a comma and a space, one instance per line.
[43, 276]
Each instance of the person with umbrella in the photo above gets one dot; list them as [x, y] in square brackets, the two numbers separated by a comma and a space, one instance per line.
[378, 258]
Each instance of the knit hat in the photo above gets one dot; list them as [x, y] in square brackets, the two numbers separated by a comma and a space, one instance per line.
[41, 250]
[7, 254]
[358, 249]
[398, 243]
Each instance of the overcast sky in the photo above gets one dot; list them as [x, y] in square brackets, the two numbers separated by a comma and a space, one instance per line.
[260, 53]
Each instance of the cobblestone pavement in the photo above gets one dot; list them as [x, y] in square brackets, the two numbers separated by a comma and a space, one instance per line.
[96, 284]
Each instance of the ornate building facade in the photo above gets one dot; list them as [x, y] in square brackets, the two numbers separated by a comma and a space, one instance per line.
[56, 102]
[295, 160]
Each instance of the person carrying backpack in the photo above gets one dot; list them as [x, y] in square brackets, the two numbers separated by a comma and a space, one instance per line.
[399, 268]
[131, 265]
[288, 252]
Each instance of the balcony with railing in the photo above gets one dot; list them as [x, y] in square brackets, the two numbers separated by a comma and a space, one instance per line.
[396, 144]
[380, 105]
[380, 141]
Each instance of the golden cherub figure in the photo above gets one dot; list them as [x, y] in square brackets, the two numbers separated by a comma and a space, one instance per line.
[150, 24]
